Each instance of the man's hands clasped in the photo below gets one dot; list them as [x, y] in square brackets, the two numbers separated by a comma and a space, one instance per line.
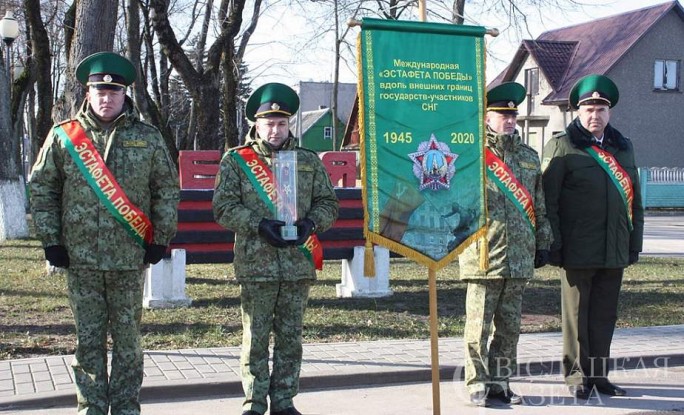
[269, 229]
[305, 227]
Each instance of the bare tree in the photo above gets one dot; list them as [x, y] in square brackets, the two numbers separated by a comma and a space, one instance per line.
[144, 101]
[203, 77]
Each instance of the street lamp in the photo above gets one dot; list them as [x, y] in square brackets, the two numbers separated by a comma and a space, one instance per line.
[9, 30]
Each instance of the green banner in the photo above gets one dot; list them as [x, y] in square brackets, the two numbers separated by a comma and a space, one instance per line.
[421, 91]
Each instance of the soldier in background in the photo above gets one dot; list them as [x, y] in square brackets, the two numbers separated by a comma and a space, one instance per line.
[594, 205]
[274, 274]
[519, 237]
[104, 194]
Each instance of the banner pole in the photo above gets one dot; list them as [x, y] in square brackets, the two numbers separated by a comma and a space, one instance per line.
[434, 340]
[422, 11]
[432, 294]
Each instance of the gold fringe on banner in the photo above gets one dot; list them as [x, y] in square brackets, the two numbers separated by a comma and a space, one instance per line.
[484, 243]
[484, 254]
[368, 261]
[368, 253]
[425, 260]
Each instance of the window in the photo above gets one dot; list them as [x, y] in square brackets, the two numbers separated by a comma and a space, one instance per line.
[532, 87]
[327, 133]
[532, 81]
[666, 75]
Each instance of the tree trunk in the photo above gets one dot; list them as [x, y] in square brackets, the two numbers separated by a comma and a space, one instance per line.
[12, 190]
[206, 100]
[94, 32]
[144, 102]
[42, 62]
[457, 16]
[230, 94]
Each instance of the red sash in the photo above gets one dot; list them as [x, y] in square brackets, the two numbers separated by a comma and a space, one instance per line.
[261, 177]
[505, 180]
[618, 176]
[102, 181]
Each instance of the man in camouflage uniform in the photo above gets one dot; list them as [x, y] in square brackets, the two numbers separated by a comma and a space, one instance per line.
[515, 249]
[274, 274]
[104, 262]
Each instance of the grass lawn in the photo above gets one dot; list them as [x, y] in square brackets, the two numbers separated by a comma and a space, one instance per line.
[35, 318]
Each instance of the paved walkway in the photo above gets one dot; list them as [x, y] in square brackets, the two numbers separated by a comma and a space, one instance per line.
[47, 381]
[664, 234]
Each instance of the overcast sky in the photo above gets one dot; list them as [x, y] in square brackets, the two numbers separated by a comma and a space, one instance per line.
[280, 51]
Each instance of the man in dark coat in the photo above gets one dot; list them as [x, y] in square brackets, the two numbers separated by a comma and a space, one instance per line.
[593, 203]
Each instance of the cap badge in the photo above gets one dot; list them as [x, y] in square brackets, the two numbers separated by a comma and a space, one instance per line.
[511, 104]
[107, 78]
[275, 106]
[596, 95]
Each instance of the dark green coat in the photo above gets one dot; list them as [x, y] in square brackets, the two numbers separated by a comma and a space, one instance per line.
[587, 214]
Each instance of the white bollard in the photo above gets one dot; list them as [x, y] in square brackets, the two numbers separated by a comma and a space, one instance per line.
[355, 284]
[165, 283]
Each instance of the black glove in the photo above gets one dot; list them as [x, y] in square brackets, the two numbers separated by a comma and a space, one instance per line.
[154, 253]
[305, 227]
[541, 258]
[556, 258]
[57, 255]
[633, 257]
[269, 229]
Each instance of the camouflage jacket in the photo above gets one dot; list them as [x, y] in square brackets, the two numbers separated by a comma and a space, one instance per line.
[238, 207]
[512, 244]
[66, 210]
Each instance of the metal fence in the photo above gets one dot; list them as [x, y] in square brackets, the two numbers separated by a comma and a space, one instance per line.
[662, 187]
[666, 175]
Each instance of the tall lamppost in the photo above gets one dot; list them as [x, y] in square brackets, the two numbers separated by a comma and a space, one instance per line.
[9, 30]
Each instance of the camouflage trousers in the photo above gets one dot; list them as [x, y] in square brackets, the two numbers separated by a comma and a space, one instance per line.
[102, 301]
[278, 307]
[499, 301]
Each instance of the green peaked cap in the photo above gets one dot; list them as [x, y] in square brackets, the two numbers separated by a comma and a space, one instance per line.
[272, 100]
[594, 89]
[505, 97]
[95, 69]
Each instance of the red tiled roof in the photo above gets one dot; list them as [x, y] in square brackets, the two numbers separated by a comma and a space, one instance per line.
[567, 54]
